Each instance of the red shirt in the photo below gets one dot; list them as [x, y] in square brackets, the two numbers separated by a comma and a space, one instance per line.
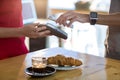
[11, 16]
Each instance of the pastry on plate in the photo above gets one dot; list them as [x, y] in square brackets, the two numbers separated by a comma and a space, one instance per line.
[61, 60]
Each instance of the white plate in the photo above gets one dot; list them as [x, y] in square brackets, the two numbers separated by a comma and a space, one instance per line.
[66, 67]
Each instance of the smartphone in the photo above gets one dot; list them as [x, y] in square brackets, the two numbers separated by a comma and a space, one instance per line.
[55, 31]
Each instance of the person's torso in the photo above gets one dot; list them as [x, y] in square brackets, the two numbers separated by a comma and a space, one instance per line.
[11, 17]
[113, 39]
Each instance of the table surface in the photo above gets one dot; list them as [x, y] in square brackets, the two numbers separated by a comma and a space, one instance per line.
[93, 68]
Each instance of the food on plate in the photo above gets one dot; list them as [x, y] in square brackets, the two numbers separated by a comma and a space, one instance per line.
[62, 60]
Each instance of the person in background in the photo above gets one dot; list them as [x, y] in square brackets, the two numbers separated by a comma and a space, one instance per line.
[112, 42]
[12, 30]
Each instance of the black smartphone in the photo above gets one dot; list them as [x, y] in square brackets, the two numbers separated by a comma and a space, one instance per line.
[55, 30]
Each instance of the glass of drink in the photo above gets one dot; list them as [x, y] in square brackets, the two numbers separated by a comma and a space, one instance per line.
[39, 64]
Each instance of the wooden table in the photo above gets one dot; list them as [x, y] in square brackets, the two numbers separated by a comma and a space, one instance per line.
[93, 68]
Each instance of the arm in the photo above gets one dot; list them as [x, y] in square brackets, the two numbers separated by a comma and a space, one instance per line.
[27, 31]
[110, 19]
[10, 32]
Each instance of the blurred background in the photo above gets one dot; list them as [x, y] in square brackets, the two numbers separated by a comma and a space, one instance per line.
[85, 38]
